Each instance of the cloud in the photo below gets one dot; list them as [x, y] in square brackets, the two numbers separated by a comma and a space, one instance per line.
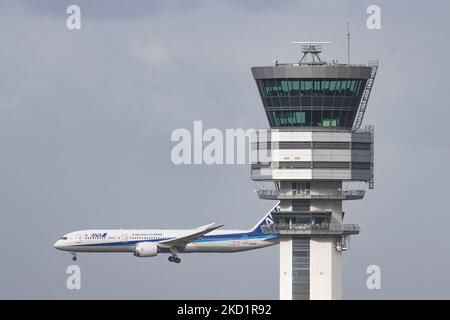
[150, 51]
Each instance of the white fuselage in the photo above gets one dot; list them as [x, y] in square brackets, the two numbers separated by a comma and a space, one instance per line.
[122, 240]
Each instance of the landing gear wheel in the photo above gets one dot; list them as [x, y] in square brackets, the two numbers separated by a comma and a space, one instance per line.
[174, 256]
[74, 259]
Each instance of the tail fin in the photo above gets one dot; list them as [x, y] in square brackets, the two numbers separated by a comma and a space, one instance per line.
[266, 220]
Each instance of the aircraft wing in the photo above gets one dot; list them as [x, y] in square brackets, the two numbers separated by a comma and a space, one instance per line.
[183, 240]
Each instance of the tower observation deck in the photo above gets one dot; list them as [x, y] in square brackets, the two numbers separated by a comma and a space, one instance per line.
[315, 150]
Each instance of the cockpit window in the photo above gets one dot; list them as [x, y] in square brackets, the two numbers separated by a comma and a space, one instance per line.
[63, 238]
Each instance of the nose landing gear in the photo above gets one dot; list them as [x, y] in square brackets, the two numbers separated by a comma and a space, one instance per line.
[74, 258]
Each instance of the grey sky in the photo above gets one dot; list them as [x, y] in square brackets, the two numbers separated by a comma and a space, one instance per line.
[86, 118]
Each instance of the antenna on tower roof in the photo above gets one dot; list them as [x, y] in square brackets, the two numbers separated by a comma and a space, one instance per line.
[348, 42]
[313, 48]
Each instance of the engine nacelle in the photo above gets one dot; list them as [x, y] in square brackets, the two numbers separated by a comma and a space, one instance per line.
[146, 249]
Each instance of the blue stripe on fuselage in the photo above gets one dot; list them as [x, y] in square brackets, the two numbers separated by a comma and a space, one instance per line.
[206, 238]
[238, 236]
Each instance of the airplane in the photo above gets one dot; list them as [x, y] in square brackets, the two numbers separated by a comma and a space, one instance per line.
[148, 243]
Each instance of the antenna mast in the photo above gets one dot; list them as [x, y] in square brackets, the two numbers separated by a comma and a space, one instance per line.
[348, 42]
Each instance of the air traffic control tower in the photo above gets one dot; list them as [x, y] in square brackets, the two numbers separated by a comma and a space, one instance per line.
[316, 153]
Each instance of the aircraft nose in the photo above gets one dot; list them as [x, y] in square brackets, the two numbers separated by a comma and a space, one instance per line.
[57, 245]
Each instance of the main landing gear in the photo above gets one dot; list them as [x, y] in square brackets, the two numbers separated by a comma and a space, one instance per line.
[174, 259]
[174, 256]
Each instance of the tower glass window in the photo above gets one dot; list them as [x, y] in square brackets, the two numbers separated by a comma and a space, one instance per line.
[305, 102]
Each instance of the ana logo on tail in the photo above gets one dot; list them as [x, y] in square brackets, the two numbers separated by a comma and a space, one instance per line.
[269, 218]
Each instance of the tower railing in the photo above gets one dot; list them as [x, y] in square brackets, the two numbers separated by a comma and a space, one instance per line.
[306, 229]
[366, 95]
[333, 63]
[273, 194]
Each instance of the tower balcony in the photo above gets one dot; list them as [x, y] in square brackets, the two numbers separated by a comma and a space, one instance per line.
[311, 229]
[273, 194]
[308, 223]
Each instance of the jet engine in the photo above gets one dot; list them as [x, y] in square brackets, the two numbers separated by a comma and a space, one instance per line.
[146, 249]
